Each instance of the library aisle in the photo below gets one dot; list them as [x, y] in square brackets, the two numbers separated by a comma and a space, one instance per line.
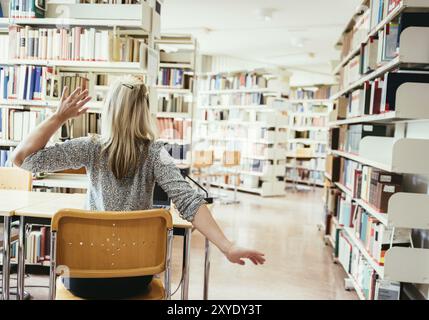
[299, 266]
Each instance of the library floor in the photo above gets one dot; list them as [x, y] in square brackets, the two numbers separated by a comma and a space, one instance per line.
[299, 265]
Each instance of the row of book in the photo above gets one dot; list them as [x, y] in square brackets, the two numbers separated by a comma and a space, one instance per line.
[16, 125]
[347, 138]
[175, 78]
[255, 165]
[5, 156]
[305, 176]
[177, 129]
[308, 108]
[378, 96]
[27, 83]
[376, 237]
[235, 81]
[178, 151]
[77, 43]
[375, 53]
[316, 164]
[319, 93]
[317, 135]
[236, 99]
[306, 150]
[365, 23]
[37, 247]
[360, 270]
[299, 120]
[82, 126]
[172, 103]
[25, 9]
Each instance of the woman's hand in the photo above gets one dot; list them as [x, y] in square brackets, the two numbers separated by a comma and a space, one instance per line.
[72, 105]
[237, 255]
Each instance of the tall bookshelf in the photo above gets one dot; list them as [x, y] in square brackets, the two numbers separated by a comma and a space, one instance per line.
[378, 148]
[176, 88]
[241, 111]
[307, 135]
[106, 41]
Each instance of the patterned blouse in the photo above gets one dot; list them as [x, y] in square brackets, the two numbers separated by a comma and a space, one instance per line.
[133, 192]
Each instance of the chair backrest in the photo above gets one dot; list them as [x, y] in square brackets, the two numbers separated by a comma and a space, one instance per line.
[231, 158]
[15, 179]
[203, 158]
[110, 244]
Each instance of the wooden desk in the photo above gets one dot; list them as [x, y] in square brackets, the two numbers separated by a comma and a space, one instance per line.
[40, 208]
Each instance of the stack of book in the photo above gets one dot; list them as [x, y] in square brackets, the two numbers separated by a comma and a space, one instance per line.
[173, 103]
[376, 237]
[349, 137]
[174, 78]
[77, 43]
[82, 126]
[236, 99]
[5, 156]
[25, 9]
[236, 81]
[37, 247]
[318, 93]
[17, 124]
[27, 82]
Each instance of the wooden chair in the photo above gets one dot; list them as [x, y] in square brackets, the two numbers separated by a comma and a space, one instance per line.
[88, 244]
[15, 179]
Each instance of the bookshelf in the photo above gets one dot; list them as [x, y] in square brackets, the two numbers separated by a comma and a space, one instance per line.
[307, 135]
[130, 31]
[372, 150]
[177, 94]
[241, 111]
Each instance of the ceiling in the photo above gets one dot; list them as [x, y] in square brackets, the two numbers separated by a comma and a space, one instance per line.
[300, 35]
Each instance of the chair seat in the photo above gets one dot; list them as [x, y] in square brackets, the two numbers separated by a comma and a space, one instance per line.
[14, 235]
[155, 292]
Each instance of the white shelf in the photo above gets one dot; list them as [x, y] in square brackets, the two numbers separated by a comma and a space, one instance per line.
[184, 115]
[175, 141]
[310, 101]
[172, 90]
[249, 140]
[306, 141]
[107, 23]
[380, 216]
[57, 180]
[294, 155]
[8, 143]
[232, 91]
[244, 107]
[305, 128]
[344, 189]
[304, 168]
[308, 182]
[308, 114]
[111, 66]
[176, 65]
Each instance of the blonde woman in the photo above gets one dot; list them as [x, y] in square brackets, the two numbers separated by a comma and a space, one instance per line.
[122, 165]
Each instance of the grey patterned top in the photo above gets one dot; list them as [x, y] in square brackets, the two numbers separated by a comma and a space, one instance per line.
[105, 192]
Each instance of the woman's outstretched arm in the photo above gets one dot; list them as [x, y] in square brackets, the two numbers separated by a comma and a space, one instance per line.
[206, 224]
[70, 106]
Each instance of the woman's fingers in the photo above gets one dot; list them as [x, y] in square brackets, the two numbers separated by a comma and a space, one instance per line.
[73, 95]
[64, 94]
[83, 94]
[82, 102]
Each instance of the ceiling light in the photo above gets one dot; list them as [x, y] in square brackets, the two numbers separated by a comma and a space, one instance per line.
[265, 14]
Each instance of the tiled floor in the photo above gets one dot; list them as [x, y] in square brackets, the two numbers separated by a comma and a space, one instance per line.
[299, 265]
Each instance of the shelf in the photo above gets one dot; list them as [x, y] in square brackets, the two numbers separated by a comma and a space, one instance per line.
[304, 168]
[173, 115]
[358, 244]
[175, 141]
[54, 22]
[316, 183]
[111, 66]
[8, 143]
[306, 141]
[232, 91]
[382, 217]
[344, 189]
[249, 140]
[406, 5]
[245, 107]
[305, 128]
[310, 101]
[161, 89]
[59, 180]
[290, 155]
[308, 114]
[95, 106]
[176, 65]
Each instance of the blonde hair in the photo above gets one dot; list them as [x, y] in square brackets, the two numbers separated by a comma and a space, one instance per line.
[127, 125]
